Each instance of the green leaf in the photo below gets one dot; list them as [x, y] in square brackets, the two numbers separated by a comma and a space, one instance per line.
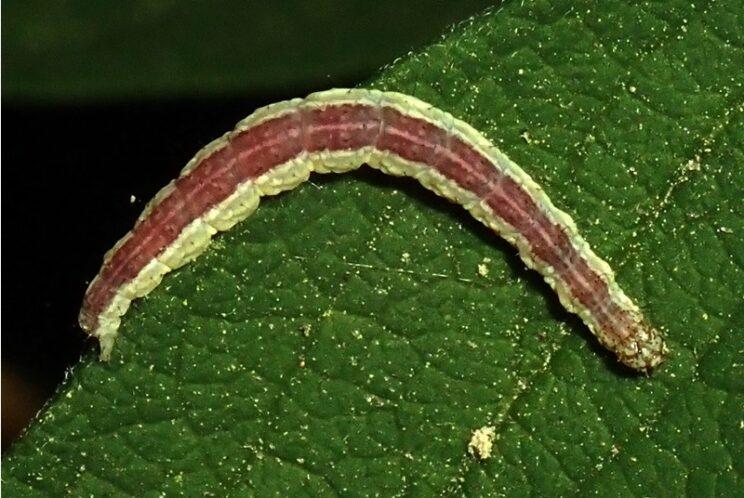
[346, 340]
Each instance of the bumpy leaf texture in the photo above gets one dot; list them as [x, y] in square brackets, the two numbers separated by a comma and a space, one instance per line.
[350, 336]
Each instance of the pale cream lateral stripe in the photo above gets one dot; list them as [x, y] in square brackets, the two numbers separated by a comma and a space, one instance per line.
[195, 238]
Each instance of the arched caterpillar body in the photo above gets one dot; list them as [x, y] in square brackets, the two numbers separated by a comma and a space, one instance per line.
[277, 147]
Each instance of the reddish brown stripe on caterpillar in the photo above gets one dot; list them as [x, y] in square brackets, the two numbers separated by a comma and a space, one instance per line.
[278, 146]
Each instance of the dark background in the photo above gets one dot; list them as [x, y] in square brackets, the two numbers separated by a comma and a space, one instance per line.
[106, 100]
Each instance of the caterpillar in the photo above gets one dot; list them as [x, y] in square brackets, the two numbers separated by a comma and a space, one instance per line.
[278, 146]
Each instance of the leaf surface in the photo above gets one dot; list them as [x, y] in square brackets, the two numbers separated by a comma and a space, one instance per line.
[350, 336]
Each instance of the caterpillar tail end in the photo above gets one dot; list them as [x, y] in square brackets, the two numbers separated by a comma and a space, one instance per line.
[106, 342]
[106, 335]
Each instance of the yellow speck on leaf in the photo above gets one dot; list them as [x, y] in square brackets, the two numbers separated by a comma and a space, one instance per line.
[481, 442]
